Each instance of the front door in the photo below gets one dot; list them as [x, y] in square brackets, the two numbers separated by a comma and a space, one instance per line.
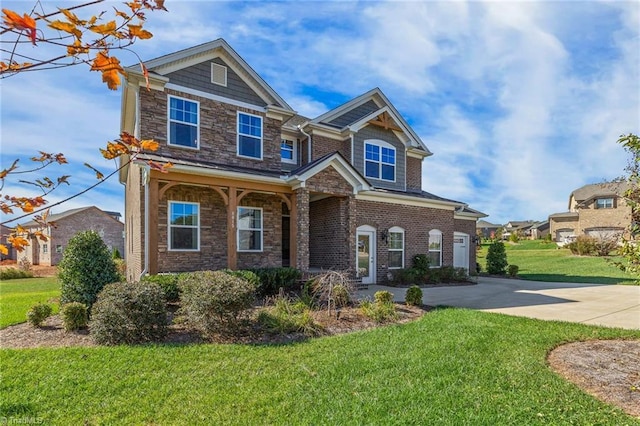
[366, 256]
[461, 250]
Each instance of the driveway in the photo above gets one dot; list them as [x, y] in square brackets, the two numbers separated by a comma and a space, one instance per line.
[595, 304]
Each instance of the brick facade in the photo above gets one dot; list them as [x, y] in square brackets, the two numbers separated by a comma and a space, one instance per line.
[322, 145]
[589, 219]
[414, 174]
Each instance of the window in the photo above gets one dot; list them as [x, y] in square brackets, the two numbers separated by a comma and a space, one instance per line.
[435, 248]
[58, 248]
[183, 122]
[218, 74]
[604, 203]
[249, 136]
[288, 151]
[45, 248]
[184, 226]
[396, 248]
[249, 229]
[380, 161]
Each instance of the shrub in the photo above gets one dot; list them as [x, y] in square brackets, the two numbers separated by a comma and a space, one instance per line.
[272, 279]
[128, 313]
[247, 275]
[333, 286]
[421, 262]
[408, 276]
[74, 316]
[288, 316]
[605, 245]
[115, 253]
[24, 265]
[514, 237]
[213, 302]
[413, 296]
[379, 311]
[13, 273]
[513, 270]
[38, 313]
[584, 245]
[86, 267]
[341, 296]
[121, 268]
[168, 283]
[496, 258]
[383, 296]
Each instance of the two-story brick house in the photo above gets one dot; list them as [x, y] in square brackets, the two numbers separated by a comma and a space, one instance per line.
[597, 209]
[255, 184]
[63, 226]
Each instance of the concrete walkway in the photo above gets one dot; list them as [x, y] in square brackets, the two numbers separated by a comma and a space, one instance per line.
[596, 304]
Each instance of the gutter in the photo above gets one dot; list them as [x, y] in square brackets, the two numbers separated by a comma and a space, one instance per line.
[146, 175]
[309, 142]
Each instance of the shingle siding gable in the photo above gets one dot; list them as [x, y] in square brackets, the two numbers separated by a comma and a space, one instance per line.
[354, 115]
[373, 132]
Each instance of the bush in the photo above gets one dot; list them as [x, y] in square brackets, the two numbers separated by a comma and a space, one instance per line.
[13, 273]
[213, 302]
[115, 253]
[496, 258]
[341, 296]
[331, 286]
[272, 279]
[413, 296]
[408, 276]
[383, 296]
[168, 283]
[584, 245]
[121, 268]
[379, 311]
[514, 237]
[129, 313]
[288, 316]
[74, 316]
[247, 275]
[605, 245]
[513, 270]
[86, 267]
[38, 313]
[421, 262]
[24, 265]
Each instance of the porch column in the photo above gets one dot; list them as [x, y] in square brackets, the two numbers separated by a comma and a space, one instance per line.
[352, 225]
[301, 202]
[153, 226]
[293, 232]
[232, 207]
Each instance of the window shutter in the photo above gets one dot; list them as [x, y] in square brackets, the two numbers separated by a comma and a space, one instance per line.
[218, 74]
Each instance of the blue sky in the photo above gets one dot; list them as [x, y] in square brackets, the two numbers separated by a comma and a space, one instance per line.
[520, 102]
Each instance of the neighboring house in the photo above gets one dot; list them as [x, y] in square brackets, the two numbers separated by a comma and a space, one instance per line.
[5, 231]
[539, 230]
[253, 184]
[486, 229]
[598, 210]
[63, 226]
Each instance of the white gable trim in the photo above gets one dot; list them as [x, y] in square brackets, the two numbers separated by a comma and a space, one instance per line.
[345, 170]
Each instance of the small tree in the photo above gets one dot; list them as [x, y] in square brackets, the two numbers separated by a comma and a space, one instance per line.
[86, 267]
[496, 258]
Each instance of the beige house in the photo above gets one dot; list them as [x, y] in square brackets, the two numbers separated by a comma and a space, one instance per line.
[597, 210]
[63, 226]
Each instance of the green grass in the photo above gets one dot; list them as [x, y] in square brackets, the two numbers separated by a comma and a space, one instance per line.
[540, 261]
[18, 296]
[452, 367]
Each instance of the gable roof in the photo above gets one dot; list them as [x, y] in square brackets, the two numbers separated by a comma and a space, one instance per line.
[591, 191]
[218, 48]
[339, 163]
[380, 109]
[485, 224]
[56, 217]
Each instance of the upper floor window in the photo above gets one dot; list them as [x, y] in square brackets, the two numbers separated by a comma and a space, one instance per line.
[45, 248]
[604, 203]
[288, 151]
[380, 161]
[435, 248]
[184, 225]
[249, 229]
[183, 122]
[249, 135]
[396, 247]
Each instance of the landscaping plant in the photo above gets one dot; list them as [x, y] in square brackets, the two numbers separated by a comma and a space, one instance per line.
[129, 313]
[413, 296]
[168, 283]
[86, 267]
[382, 309]
[38, 313]
[496, 258]
[513, 270]
[74, 316]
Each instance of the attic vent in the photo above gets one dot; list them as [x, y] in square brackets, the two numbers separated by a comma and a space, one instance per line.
[218, 74]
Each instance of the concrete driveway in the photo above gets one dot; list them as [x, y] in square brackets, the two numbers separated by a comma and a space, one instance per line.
[596, 304]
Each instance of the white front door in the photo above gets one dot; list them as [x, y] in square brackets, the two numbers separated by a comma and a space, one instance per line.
[461, 250]
[366, 259]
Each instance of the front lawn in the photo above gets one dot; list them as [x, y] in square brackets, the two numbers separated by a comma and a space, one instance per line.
[18, 296]
[540, 261]
[453, 366]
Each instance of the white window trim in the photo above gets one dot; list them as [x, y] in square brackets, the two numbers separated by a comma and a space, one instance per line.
[169, 121]
[397, 230]
[294, 149]
[380, 144]
[438, 233]
[238, 135]
[169, 226]
[261, 229]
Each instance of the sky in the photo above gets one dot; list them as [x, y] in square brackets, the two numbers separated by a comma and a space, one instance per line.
[520, 102]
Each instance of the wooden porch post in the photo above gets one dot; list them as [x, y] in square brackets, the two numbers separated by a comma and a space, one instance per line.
[232, 207]
[153, 226]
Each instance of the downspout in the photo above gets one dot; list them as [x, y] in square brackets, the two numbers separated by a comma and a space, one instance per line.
[309, 142]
